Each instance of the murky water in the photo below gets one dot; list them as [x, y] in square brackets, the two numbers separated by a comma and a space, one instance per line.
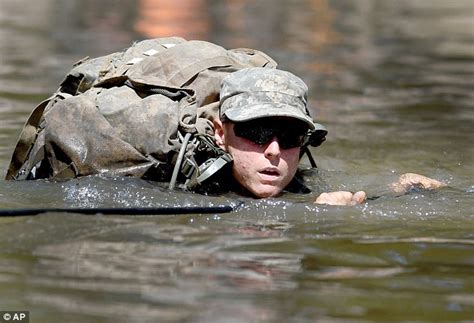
[392, 80]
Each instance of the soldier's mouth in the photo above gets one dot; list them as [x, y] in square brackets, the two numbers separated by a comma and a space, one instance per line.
[270, 172]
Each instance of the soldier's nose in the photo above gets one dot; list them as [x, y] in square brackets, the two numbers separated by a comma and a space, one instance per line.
[272, 149]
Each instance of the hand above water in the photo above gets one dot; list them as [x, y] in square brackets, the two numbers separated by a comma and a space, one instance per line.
[341, 198]
[405, 183]
[409, 181]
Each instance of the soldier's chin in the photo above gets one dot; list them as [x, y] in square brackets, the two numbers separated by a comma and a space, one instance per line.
[263, 191]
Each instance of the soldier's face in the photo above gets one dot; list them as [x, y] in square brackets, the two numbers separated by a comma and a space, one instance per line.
[264, 170]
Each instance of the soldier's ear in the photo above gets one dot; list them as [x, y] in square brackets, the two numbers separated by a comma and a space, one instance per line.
[219, 134]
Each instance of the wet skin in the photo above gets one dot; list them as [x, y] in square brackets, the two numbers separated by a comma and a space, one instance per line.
[263, 170]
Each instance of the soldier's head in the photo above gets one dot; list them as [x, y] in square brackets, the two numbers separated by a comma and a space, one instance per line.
[263, 123]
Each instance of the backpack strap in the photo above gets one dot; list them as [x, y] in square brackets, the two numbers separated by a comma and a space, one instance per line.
[27, 139]
[183, 76]
[179, 161]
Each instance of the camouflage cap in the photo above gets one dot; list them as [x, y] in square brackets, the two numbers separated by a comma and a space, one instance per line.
[257, 92]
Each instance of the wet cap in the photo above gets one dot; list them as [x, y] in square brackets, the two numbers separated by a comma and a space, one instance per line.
[259, 92]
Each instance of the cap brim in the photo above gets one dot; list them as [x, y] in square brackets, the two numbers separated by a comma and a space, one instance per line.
[269, 110]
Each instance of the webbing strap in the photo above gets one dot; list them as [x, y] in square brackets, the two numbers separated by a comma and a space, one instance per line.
[310, 156]
[179, 161]
[26, 140]
[185, 74]
[29, 134]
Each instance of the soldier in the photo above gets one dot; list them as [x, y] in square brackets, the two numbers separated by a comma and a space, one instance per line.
[263, 124]
[188, 113]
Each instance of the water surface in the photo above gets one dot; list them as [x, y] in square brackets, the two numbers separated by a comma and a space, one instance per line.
[393, 83]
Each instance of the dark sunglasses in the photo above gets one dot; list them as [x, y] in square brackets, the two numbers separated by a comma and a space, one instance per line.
[289, 133]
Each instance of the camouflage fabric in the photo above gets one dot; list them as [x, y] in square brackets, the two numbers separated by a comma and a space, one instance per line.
[127, 113]
[253, 93]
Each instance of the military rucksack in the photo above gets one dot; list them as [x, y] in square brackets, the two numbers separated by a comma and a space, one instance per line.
[146, 112]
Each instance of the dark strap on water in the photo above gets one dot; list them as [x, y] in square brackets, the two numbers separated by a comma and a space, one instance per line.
[122, 211]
